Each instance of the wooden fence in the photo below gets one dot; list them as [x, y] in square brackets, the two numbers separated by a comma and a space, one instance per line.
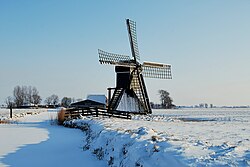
[72, 113]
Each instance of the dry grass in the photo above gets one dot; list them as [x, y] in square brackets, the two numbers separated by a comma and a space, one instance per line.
[7, 121]
[4, 121]
[61, 116]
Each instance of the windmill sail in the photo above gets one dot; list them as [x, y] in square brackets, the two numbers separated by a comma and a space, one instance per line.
[131, 26]
[111, 58]
[156, 70]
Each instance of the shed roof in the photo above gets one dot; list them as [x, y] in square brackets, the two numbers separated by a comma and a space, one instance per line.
[87, 103]
[97, 98]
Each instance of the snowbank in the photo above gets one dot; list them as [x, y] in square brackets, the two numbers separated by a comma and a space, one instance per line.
[127, 147]
[212, 137]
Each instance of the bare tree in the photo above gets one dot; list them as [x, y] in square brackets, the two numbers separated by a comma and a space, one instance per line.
[26, 95]
[52, 100]
[9, 101]
[36, 98]
[66, 101]
[18, 96]
[48, 100]
[29, 93]
[55, 99]
[166, 100]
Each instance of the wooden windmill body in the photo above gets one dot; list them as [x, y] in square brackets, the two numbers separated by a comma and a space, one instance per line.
[130, 93]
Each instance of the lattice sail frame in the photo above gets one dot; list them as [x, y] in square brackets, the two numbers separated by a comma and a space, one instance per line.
[131, 26]
[156, 70]
[111, 58]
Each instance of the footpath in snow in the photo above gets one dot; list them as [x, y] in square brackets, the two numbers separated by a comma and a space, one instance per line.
[35, 142]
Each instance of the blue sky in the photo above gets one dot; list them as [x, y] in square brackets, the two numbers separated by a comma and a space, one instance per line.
[52, 44]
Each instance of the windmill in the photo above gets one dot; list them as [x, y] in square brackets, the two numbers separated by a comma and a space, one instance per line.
[130, 93]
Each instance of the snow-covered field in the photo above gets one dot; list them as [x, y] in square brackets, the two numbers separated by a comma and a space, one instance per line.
[18, 113]
[192, 137]
[189, 137]
[207, 136]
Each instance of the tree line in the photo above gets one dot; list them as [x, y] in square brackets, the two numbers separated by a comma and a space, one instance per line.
[29, 96]
[23, 95]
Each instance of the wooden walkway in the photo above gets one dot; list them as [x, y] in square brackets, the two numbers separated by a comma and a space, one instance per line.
[73, 113]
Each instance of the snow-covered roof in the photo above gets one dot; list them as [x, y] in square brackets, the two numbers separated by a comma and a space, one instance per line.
[97, 98]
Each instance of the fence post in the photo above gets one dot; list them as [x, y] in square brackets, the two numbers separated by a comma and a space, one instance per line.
[10, 110]
[96, 112]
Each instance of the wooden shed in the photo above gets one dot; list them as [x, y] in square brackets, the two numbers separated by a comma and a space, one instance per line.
[88, 104]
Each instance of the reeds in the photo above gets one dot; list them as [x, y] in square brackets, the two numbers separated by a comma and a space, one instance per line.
[61, 116]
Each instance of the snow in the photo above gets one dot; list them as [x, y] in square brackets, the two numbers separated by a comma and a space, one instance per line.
[128, 103]
[187, 137]
[36, 141]
[97, 98]
[18, 113]
[212, 137]
[122, 147]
